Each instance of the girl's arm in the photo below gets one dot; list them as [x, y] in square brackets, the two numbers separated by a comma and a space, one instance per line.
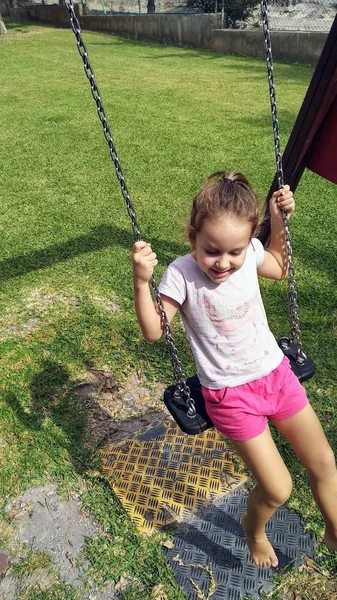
[144, 260]
[275, 264]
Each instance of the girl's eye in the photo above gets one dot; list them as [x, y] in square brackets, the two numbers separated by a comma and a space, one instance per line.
[211, 251]
[237, 253]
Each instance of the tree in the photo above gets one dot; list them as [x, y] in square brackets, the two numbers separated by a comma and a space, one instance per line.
[235, 11]
[2, 26]
[151, 7]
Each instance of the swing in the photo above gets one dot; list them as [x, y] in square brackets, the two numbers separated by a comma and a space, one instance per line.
[184, 399]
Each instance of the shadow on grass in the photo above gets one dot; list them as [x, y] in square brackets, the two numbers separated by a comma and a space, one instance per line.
[102, 236]
[22, 26]
[50, 398]
[81, 425]
[262, 121]
[253, 66]
[105, 236]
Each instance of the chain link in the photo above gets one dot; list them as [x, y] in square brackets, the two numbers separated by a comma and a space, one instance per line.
[292, 294]
[183, 393]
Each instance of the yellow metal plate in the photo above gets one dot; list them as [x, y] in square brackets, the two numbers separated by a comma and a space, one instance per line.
[165, 479]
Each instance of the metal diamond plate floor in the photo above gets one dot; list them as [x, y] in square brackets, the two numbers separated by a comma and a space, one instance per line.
[210, 558]
[163, 475]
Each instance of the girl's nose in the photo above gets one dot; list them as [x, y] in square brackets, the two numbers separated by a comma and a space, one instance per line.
[222, 264]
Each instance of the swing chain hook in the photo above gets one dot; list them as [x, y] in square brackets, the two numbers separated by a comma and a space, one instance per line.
[292, 293]
[182, 390]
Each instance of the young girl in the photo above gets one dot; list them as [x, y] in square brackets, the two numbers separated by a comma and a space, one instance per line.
[244, 375]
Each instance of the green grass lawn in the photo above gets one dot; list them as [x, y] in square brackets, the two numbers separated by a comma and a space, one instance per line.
[176, 115]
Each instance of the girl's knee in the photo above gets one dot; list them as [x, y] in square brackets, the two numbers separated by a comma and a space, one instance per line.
[278, 494]
[323, 465]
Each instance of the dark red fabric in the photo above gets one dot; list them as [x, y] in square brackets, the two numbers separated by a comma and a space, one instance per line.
[322, 156]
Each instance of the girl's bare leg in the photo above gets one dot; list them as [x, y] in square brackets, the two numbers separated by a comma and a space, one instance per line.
[273, 488]
[305, 434]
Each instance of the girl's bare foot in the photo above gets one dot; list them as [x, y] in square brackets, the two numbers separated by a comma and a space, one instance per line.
[330, 540]
[260, 548]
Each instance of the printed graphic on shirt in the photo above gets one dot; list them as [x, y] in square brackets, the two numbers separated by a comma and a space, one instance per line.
[223, 318]
[235, 330]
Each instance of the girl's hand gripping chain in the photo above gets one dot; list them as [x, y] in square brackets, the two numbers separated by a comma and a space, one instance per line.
[282, 200]
[275, 265]
[144, 261]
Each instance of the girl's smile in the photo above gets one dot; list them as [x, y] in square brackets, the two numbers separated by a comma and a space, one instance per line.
[220, 246]
[222, 274]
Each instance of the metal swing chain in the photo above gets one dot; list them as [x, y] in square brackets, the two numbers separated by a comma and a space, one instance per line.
[182, 389]
[292, 294]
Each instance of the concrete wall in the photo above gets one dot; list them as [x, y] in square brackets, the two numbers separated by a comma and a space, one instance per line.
[179, 30]
[196, 31]
[54, 14]
[4, 8]
[287, 46]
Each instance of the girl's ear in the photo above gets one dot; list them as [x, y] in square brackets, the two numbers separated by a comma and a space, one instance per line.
[191, 237]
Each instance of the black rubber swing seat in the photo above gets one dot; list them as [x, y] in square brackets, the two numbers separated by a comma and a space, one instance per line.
[178, 409]
[201, 421]
[303, 370]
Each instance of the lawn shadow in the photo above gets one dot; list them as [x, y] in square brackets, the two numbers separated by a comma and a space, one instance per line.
[105, 236]
[253, 66]
[23, 26]
[45, 386]
[102, 236]
[75, 409]
[262, 121]
[50, 399]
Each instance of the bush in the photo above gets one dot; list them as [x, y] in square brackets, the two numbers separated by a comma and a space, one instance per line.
[236, 11]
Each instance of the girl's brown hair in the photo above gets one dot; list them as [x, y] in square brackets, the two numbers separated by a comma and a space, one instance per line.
[224, 193]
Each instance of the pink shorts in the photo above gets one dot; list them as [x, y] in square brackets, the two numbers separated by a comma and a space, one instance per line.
[241, 412]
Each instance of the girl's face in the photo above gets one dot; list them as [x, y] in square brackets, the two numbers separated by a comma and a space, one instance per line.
[220, 246]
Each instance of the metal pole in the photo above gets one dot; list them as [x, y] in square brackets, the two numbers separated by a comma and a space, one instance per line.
[222, 14]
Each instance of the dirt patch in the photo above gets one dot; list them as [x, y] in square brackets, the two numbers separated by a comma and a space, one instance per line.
[49, 534]
[27, 317]
[115, 413]
[107, 303]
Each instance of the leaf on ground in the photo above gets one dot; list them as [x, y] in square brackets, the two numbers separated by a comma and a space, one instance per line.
[122, 584]
[168, 544]
[5, 563]
[55, 401]
[158, 592]
[144, 398]
[311, 564]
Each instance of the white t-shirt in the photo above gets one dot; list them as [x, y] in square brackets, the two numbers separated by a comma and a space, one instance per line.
[225, 322]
